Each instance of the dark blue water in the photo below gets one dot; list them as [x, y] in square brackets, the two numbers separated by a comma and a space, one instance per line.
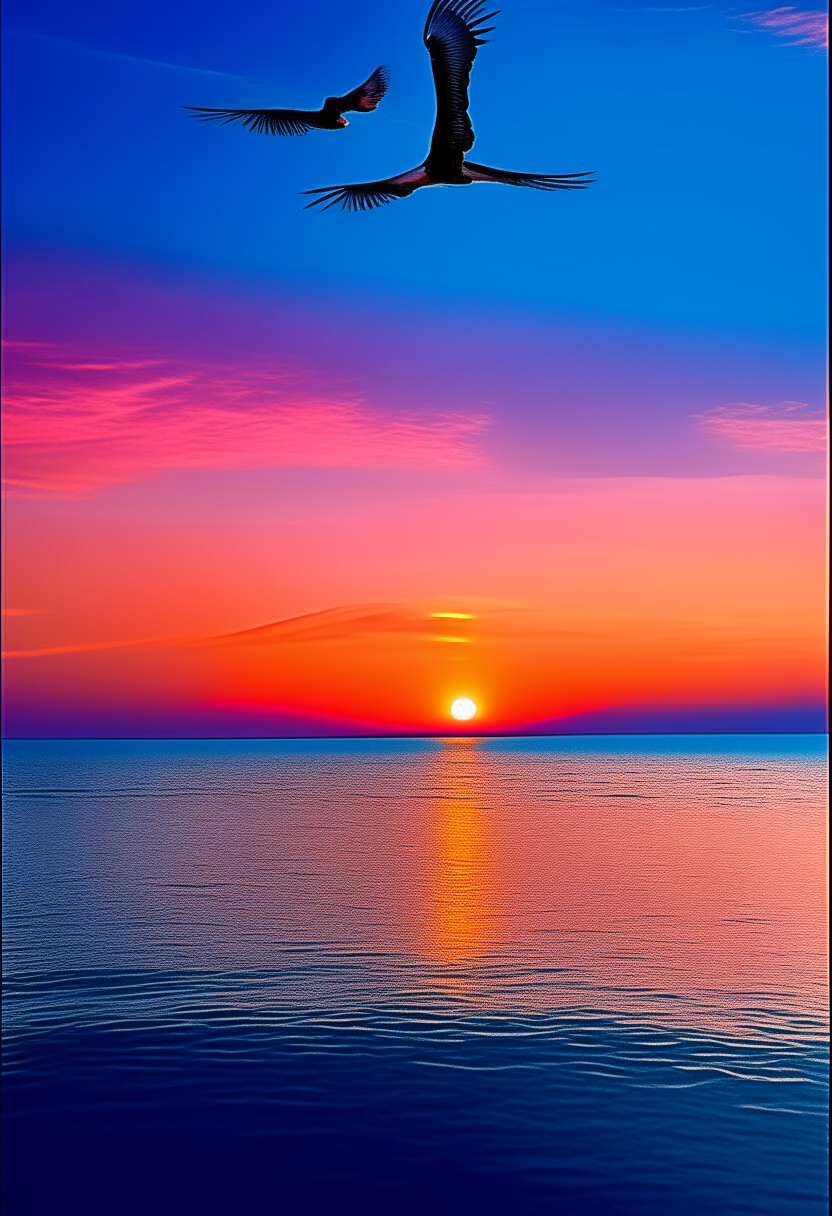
[503, 976]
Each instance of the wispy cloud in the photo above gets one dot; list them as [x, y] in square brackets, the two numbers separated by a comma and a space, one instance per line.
[76, 421]
[485, 623]
[790, 426]
[405, 622]
[84, 647]
[801, 27]
[119, 56]
[415, 621]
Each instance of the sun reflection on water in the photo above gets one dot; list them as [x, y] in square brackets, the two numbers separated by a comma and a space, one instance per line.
[462, 898]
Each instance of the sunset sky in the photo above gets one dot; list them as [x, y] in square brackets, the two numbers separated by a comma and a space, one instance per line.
[276, 472]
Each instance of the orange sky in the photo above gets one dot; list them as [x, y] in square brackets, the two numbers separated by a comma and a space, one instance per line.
[584, 595]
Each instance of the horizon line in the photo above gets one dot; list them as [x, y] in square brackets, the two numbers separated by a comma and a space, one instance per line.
[411, 735]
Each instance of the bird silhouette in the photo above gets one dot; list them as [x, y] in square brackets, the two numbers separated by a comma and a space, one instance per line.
[453, 33]
[297, 122]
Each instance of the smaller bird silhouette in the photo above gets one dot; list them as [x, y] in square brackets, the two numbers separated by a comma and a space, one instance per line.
[297, 122]
[453, 33]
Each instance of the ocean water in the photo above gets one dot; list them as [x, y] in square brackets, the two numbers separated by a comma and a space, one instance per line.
[567, 976]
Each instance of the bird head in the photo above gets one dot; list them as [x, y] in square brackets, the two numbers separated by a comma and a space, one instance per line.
[342, 122]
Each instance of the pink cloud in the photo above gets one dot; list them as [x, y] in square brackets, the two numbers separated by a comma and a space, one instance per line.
[76, 422]
[801, 28]
[790, 426]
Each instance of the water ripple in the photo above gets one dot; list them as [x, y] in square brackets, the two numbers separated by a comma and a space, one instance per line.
[505, 976]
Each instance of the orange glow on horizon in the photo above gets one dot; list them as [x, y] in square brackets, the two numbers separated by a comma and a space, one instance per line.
[638, 592]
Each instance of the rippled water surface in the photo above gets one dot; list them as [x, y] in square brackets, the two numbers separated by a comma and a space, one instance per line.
[488, 976]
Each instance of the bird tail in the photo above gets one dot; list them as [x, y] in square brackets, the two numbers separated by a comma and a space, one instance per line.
[534, 181]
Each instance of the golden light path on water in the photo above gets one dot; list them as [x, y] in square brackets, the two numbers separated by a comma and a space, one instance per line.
[604, 872]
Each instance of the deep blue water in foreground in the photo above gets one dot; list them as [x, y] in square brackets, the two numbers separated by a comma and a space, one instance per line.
[445, 976]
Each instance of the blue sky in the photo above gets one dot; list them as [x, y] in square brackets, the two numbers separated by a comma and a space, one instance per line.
[705, 133]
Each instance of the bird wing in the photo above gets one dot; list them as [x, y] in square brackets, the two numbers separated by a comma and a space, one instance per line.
[264, 122]
[366, 195]
[453, 32]
[535, 181]
[367, 96]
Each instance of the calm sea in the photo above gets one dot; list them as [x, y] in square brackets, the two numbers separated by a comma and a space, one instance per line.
[566, 976]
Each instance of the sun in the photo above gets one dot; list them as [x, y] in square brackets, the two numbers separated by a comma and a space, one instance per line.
[463, 708]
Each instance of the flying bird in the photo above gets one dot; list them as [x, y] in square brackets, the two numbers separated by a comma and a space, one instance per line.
[453, 33]
[297, 122]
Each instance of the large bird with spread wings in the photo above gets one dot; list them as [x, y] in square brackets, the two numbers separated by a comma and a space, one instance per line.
[297, 122]
[453, 33]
